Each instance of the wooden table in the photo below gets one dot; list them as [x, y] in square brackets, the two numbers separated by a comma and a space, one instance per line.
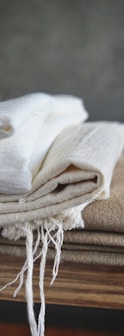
[14, 330]
[76, 284]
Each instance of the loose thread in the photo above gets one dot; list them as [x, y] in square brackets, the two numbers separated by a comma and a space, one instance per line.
[50, 231]
[58, 246]
[57, 240]
[25, 266]
[41, 318]
[28, 285]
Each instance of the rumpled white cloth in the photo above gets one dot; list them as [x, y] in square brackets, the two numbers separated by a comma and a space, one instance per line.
[28, 127]
[15, 112]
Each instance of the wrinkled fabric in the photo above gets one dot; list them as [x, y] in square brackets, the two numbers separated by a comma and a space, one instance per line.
[81, 173]
[28, 127]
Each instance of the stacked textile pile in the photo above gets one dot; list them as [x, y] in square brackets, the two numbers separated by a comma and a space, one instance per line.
[102, 239]
[52, 167]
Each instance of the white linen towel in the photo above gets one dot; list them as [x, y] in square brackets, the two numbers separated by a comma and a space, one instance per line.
[32, 123]
[15, 112]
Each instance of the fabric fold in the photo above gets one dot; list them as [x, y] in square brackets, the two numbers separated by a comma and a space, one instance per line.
[108, 215]
[15, 112]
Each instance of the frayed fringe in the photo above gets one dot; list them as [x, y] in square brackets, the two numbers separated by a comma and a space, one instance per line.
[49, 230]
[46, 236]
[70, 219]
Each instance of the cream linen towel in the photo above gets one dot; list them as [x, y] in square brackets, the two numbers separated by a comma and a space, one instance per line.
[77, 170]
[35, 120]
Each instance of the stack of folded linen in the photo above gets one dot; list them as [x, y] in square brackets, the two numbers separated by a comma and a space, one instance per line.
[102, 240]
[53, 167]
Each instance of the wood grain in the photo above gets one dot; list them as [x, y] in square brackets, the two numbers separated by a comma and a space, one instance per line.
[76, 284]
[14, 330]
[19, 330]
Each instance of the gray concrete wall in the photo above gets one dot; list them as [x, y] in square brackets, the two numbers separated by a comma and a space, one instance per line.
[65, 46]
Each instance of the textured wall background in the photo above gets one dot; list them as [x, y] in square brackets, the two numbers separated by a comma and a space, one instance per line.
[70, 46]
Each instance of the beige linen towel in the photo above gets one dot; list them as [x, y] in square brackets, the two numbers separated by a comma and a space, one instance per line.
[101, 248]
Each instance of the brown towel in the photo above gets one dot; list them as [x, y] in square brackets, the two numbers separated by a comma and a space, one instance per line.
[108, 215]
